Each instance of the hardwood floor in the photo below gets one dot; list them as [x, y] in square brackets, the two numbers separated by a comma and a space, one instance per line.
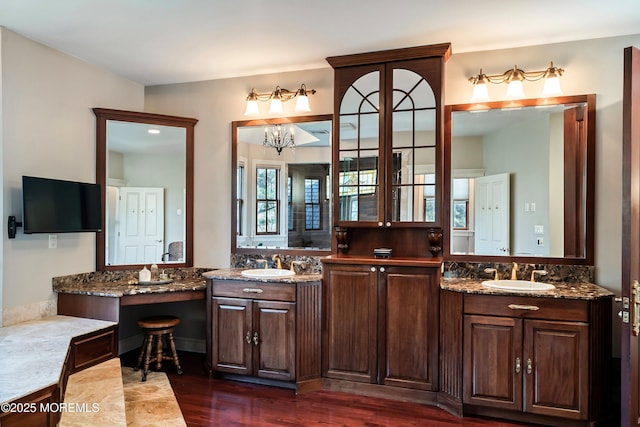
[215, 402]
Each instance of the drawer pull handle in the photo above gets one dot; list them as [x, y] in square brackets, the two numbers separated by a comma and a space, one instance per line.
[523, 307]
[255, 338]
[248, 337]
[529, 366]
[518, 365]
[252, 290]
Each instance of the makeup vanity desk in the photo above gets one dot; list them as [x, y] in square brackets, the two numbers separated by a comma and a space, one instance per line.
[99, 295]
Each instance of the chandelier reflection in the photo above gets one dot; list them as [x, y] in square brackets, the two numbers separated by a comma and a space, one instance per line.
[279, 138]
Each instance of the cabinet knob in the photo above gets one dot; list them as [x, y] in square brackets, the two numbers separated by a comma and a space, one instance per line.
[380, 224]
[255, 338]
[373, 269]
[381, 269]
[388, 224]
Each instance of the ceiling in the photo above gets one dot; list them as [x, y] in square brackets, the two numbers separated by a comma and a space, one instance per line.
[160, 42]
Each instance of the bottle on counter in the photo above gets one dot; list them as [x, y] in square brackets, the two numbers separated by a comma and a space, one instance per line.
[154, 272]
[144, 275]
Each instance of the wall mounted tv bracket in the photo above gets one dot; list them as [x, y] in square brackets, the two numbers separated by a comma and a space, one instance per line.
[12, 226]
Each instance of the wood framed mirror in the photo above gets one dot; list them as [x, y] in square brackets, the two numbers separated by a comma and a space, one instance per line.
[281, 200]
[144, 166]
[520, 181]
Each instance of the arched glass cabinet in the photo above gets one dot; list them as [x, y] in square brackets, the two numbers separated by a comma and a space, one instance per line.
[388, 136]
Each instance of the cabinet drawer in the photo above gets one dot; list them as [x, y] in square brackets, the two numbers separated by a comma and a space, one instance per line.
[527, 307]
[93, 348]
[254, 290]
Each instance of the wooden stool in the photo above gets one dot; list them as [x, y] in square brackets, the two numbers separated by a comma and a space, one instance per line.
[157, 327]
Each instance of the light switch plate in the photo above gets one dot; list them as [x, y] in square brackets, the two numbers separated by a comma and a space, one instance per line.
[538, 229]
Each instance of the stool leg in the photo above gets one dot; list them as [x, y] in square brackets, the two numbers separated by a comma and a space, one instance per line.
[174, 353]
[141, 355]
[159, 352]
[147, 357]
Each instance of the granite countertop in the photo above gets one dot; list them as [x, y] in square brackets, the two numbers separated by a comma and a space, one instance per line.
[120, 289]
[23, 370]
[587, 291]
[125, 282]
[236, 274]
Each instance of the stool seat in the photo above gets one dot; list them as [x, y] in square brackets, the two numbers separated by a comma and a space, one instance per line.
[159, 322]
[157, 328]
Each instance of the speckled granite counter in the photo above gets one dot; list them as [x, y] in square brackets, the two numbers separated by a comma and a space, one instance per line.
[124, 283]
[32, 353]
[587, 291]
[236, 274]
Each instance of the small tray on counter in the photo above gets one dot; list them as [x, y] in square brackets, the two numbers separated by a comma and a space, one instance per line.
[155, 282]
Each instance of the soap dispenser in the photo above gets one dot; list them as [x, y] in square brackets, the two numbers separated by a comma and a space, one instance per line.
[154, 272]
[144, 275]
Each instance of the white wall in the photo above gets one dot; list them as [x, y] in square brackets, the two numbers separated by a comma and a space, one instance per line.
[48, 130]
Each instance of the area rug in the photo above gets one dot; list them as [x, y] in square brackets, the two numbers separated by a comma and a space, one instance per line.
[150, 403]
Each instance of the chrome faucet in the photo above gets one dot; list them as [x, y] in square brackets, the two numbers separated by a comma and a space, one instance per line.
[540, 272]
[278, 259]
[514, 271]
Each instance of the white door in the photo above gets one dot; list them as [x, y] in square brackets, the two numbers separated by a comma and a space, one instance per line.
[142, 225]
[492, 215]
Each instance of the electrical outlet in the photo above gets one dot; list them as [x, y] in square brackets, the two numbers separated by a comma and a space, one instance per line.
[53, 241]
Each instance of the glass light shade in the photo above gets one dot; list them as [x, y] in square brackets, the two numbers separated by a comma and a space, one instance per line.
[480, 93]
[252, 108]
[275, 106]
[302, 104]
[514, 90]
[551, 87]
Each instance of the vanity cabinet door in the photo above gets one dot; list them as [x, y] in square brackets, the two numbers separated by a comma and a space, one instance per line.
[556, 368]
[274, 340]
[409, 327]
[349, 338]
[492, 357]
[232, 335]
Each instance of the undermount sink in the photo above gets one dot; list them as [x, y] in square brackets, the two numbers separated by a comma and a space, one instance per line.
[267, 273]
[517, 285]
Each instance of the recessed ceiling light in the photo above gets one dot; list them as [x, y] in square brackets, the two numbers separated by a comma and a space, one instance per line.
[153, 131]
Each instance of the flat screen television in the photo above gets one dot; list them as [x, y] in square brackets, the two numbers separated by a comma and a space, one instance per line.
[57, 206]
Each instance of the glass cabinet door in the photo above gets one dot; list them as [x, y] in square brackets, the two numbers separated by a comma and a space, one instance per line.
[387, 147]
[359, 180]
[412, 169]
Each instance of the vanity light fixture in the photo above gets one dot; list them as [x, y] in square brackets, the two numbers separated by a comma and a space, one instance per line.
[276, 98]
[514, 78]
[278, 138]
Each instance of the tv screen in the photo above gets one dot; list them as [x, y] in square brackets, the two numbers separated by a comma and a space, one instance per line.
[57, 206]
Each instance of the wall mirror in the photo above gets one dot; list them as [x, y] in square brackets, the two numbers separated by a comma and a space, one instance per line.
[281, 195]
[144, 165]
[520, 180]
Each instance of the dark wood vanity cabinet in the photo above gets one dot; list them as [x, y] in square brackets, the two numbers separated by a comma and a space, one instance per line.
[536, 357]
[268, 331]
[254, 337]
[381, 324]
